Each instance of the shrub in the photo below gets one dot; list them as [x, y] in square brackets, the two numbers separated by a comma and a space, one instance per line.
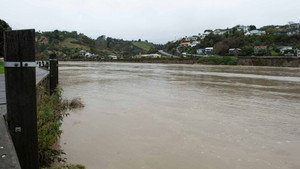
[50, 113]
[218, 60]
[230, 60]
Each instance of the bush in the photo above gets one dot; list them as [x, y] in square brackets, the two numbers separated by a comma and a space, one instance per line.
[218, 60]
[67, 167]
[214, 60]
[230, 60]
[50, 113]
[1, 68]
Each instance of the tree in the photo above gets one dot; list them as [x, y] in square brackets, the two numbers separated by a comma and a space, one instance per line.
[221, 48]
[3, 27]
[252, 27]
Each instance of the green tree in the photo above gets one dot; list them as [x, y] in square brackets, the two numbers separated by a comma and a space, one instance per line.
[3, 27]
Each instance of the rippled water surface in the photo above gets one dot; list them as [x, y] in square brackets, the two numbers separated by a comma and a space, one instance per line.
[165, 116]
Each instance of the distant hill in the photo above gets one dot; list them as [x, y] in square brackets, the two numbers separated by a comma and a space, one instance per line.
[274, 38]
[69, 44]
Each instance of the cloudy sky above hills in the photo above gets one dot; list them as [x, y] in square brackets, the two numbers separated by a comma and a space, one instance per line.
[157, 21]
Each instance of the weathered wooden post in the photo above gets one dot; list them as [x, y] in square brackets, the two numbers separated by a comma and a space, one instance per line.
[53, 73]
[20, 78]
[47, 65]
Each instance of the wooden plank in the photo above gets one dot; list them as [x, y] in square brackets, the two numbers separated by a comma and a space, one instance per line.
[21, 96]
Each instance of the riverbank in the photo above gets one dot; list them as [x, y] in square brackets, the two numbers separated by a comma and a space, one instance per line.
[241, 60]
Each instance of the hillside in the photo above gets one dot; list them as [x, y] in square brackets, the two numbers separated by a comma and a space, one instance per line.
[69, 44]
[144, 45]
[272, 40]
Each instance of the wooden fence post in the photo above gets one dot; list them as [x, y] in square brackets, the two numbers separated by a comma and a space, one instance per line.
[53, 73]
[20, 85]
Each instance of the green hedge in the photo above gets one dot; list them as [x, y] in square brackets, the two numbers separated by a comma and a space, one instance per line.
[50, 113]
[218, 60]
[1, 68]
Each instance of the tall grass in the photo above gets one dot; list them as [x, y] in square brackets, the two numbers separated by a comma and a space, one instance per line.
[219, 60]
[50, 113]
[1, 68]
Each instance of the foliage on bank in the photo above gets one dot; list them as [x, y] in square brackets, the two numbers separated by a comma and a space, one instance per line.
[50, 113]
[70, 166]
[218, 60]
[1, 68]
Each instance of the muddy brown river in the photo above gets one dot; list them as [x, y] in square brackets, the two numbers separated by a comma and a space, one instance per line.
[169, 116]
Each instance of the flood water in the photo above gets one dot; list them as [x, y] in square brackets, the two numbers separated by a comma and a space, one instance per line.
[168, 116]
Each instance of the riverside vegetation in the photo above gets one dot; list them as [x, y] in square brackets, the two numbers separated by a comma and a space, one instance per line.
[50, 113]
[1, 68]
[217, 60]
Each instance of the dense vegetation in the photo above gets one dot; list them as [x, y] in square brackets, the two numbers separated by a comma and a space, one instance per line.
[50, 112]
[275, 37]
[69, 44]
[3, 27]
[1, 68]
[216, 60]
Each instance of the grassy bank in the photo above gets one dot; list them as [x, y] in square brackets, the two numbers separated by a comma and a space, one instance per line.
[1, 68]
[218, 60]
[50, 113]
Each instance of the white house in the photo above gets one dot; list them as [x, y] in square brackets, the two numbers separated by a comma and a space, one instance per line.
[88, 55]
[112, 57]
[82, 52]
[255, 32]
[200, 51]
[194, 38]
[195, 43]
[209, 50]
[151, 56]
[298, 52]
[205, 34]
[284, 48]
[220, 31]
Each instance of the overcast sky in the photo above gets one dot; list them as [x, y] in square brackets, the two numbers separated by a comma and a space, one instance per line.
[158, 21]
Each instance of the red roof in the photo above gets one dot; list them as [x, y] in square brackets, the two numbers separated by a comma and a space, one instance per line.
[260, 47]
[184, 43]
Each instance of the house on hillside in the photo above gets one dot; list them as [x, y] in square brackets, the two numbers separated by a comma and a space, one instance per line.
[195, 43]
[206, 32]
[255, 32]
[285, 48]
[294, 25]
[290, 33]
[185, 44]
[259, 48]
[220, 31]
[88, 55]
[280, 33]
[82, 52]
[200, 51]
[151, 56]
[112, 57]
[234, 51]
[191, 38]
[209, 50]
